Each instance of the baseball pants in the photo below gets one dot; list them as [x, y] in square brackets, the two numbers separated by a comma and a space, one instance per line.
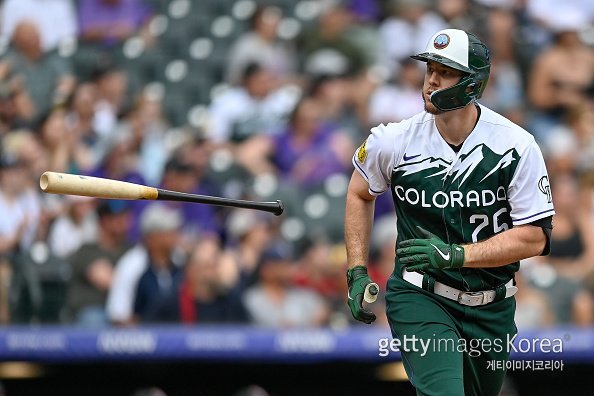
[459, 340]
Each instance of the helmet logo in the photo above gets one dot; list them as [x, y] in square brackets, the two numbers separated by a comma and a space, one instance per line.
[441, 41]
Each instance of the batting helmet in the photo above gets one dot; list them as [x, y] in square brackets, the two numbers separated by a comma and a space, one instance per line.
[461, 51]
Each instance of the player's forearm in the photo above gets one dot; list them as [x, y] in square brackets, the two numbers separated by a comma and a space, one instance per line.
[357, 228]
[505, 248]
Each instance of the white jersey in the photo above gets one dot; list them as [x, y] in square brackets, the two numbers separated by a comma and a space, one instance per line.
[496, 180]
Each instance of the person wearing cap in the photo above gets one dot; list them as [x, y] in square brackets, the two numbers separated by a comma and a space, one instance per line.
[93, 263]
[203, 296]
[78, 222]
[131, 297]
[198, 221]
[472, 199]
[274, 302]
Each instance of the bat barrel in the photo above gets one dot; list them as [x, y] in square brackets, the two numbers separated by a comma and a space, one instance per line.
[65, 183]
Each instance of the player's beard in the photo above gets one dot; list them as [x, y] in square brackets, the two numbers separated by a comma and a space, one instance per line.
[430, 107]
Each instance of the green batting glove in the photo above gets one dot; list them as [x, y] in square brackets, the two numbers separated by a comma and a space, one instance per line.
[420, 254]
[357, 280]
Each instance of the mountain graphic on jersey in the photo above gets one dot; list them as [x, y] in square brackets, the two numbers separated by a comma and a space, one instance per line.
[480, 163]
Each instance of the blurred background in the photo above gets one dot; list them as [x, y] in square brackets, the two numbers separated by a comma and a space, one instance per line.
[259, 100]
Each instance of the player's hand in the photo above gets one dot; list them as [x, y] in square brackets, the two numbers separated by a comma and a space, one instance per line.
[432, 252]
[358, 281]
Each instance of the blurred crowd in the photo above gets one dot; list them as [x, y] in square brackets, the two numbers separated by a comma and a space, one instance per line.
[259, 100]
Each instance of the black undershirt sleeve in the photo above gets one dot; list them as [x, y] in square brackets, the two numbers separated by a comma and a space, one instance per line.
[546, 223]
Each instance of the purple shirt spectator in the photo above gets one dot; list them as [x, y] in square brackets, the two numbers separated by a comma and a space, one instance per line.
[198, 220]
[307, 163]
[111, 21]
[365, 10]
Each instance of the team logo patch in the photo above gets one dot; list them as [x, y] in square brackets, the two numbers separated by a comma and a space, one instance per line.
[362, 152]
[441, 41]
[545, 188]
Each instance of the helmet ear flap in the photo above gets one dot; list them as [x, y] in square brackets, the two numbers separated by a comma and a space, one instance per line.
[470, 88]
[475, 88]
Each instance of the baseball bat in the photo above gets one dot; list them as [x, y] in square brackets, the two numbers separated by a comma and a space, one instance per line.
[65, 183]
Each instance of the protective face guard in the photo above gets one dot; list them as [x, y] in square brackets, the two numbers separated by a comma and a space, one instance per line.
[457, 96]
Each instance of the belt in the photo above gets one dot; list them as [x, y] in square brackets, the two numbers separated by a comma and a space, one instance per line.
[471, 299]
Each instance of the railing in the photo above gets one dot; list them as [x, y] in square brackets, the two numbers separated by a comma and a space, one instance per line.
[232, 343]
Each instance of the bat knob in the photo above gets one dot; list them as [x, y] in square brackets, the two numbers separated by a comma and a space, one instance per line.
[280, 208]
[371, 292]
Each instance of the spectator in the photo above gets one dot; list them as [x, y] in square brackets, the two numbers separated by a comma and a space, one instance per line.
[309, 150]
[46, 76]
[261, 44]
[501, 29]
[127, 302]
[78, 223]
[504, 93]
[79, 118]
[19, 204]
[16, 105]
[248, 235]
[162, 277]
[18, 223]
[334, 96]
[112, 85]
[404, 90]
[93, 264]
[119, 160]
[274, 302]
[44, 13]
[383, 243]
[413, 23]
[562, 75]
[572, 240]
[204, 297]
[255, 107]
[321, 267]
[199, 221]
[567, 298]
[569, 147]
[58, 140]
[532, 308]
[365, 10]
[363, 32]
[109, 22]
[466, 15]
[14, 222]
[326, 48]
[144, 130]
[28, 147]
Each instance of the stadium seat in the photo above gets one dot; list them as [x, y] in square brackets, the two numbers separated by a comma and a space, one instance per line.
[40, 286]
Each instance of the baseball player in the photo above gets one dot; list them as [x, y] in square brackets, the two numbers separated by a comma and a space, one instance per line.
[472, 199]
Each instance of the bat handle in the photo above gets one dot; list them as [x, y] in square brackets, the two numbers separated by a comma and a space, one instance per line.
[371, 292]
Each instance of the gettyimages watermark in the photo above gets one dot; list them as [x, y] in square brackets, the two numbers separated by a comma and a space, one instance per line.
[525, 365]
[479, 346]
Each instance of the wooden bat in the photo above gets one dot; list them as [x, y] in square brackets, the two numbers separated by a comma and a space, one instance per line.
[65, 183]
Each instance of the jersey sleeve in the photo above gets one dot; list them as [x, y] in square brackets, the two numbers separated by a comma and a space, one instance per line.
[374, 159]
[529, 192]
